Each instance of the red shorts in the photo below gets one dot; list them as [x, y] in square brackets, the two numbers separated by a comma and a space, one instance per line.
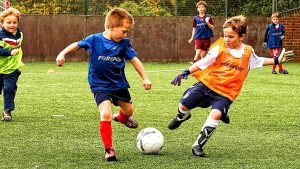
[274, 52]
[202, 44]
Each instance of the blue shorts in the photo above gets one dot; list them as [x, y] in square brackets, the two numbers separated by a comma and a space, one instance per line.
[113, 96]
[199, 95]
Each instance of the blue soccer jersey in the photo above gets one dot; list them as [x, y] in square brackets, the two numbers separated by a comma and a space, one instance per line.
[107, 62]
[202, 31]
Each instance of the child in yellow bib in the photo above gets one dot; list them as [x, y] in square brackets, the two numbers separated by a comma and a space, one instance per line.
[221, 75]
[10, 59]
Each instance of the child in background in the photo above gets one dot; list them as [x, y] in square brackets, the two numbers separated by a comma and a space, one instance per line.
[10, 59]
[273, 40]
[108, 51]
[221, 75]
[202, 31]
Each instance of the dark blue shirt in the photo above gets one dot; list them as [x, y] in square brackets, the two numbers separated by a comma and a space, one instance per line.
[202, 31]
[273, 36]
[107, 62]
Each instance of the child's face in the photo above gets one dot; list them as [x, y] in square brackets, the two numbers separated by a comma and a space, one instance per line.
[10, 23]
[275, 20]
[118, 33]
[201, 9]
[232, 39]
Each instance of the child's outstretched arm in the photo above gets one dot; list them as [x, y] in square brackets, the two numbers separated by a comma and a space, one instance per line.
[283, 57]
[137, 64]
[60, 59]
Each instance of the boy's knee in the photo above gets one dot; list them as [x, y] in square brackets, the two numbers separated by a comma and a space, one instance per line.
[128, 111]
[105, 116]
[183, 108]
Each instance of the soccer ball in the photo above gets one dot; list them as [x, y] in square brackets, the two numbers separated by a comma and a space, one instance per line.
[150, 141]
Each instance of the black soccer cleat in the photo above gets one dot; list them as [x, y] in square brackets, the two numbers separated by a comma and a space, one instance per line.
[110, 155]
[225, 119]
[283, 71]
[175, 122]
[198, 151]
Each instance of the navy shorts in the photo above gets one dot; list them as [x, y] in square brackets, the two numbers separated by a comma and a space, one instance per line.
[199, 95]
[113, 96]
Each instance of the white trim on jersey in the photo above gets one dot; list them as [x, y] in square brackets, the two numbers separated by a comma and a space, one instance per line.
[211, 56]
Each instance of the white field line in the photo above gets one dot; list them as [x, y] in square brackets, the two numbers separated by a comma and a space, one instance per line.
[148, 71]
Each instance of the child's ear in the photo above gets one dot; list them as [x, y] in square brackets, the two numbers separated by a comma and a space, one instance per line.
[242, 37]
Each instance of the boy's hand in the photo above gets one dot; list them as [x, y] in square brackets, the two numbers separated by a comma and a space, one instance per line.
[60, 59]
[147, 84]
[282, 37]
[14, 52]
[190, 40]
[285, 56]
[183, 75]
[207, 19]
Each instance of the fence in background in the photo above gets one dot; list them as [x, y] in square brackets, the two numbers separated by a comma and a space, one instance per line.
[154, 38]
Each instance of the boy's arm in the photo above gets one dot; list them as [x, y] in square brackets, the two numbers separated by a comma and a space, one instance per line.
[283, 57]
[137, 64]
[209, 23]
[7, 52]
[192, 37]
[202, 64]
[264, 45]
[60, 59]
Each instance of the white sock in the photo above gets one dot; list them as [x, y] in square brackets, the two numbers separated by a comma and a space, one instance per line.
[209, 122]
[185, 113]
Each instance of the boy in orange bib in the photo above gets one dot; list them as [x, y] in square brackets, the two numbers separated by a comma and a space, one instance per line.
[221, 75]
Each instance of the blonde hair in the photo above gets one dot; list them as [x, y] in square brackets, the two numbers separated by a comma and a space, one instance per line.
[115, 17]
[201, 3]
[8, 12]
[275, 15]
[237, 23]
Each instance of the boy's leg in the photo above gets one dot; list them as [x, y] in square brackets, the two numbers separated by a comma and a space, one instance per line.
[204, 46]
[124, 115]
[9, 93]
[207, 130]
[106, 130]
[192, 97]
[273, 54]
[183, 115]
[197, 55]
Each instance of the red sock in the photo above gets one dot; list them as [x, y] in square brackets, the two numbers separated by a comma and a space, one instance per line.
[273, 68]
[122, 118]
[106, 133]
[280, 67]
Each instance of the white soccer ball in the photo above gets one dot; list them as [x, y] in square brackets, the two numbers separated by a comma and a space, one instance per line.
[150, 141]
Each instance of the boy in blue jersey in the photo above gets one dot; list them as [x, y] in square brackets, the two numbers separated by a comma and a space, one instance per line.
[108, 51]
[10, 59]
[273, 40]
[202, 31]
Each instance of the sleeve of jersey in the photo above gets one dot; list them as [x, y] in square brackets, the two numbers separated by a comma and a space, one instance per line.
[255, 61]
[130, 53]
[86, 43]
[4, 52]
[209, 59]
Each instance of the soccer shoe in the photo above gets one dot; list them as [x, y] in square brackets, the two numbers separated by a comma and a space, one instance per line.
[198, 151]
[274, 72]
[130, 123]
[175, 122]
[6, 116]
[225, 119]
[283, 71]
[110, 155]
